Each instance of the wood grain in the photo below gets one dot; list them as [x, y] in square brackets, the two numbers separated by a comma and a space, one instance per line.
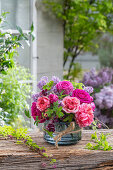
[17, 157]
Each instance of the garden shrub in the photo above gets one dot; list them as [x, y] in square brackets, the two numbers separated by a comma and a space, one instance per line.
[83, 21]
[14, 94]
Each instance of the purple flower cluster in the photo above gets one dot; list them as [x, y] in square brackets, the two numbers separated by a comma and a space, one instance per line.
[104, 99]
[95, 80]
[104, 103]
[35, 96]
[104, 117]
[88, 89]
[43, 81]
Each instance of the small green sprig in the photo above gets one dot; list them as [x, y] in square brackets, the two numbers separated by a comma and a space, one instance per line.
[21, 135]
[69, 118]
[22, 138]
[101, 142]
[55, 110]
[78, 85]
[48, 86]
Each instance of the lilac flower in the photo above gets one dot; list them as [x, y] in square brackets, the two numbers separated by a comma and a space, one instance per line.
[55, 79]
[35, 96]
[104, 119]
[98, 79]
[43, 81]
[97, 112]
[104, 99]
[88, 89]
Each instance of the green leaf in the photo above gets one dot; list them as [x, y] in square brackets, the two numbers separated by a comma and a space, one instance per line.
[27, 113]
[69, 118]
[59, 114]
[49, 133]
[48, 86]
[32, 28]
[19, 29]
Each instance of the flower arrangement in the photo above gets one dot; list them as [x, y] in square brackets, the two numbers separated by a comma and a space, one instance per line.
[62, 101]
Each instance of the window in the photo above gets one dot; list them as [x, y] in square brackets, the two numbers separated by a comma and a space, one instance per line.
[19, 14]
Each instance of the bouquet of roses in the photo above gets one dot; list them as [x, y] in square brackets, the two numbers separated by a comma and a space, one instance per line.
[62, 101]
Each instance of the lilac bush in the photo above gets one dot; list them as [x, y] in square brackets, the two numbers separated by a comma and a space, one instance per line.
[94, 79]
[104, 99]
[103, 93]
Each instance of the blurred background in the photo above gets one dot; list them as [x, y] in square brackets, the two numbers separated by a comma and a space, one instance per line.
[73, 40]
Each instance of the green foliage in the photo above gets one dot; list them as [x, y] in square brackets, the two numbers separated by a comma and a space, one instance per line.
[78, 85]
[76, 71]
[55, 110]
[27, 113]
[6, 130]
[83, 21]
[14, 94]
[69, 118]
[105, 51]
[22, 138]
[101, 142]
[49, 133]
[48, 86]
[9, 44]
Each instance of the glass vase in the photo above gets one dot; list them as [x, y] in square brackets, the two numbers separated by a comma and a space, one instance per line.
[67, 139]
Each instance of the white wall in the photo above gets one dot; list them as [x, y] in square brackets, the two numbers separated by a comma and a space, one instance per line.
[49, 44]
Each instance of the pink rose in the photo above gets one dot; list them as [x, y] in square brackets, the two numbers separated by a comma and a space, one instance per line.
[70, 104]
[53, 98]
[43, 103]
[84, 116]
[36, 112]
[65, 86]
[82, 95]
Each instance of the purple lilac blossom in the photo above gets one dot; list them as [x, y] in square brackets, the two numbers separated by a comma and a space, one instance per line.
[55, 79]
[43, 81]
[104, 117]
[97, 112]
[35, 96]
[88, 89]
[104, 99]
[94, 79]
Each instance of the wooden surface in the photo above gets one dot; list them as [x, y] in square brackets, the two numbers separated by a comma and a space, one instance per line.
[17, 157]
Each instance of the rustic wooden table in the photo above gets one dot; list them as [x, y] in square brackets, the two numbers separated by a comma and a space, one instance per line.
[19, 157]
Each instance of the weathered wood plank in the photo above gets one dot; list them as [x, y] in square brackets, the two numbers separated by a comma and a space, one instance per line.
[13, 156]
